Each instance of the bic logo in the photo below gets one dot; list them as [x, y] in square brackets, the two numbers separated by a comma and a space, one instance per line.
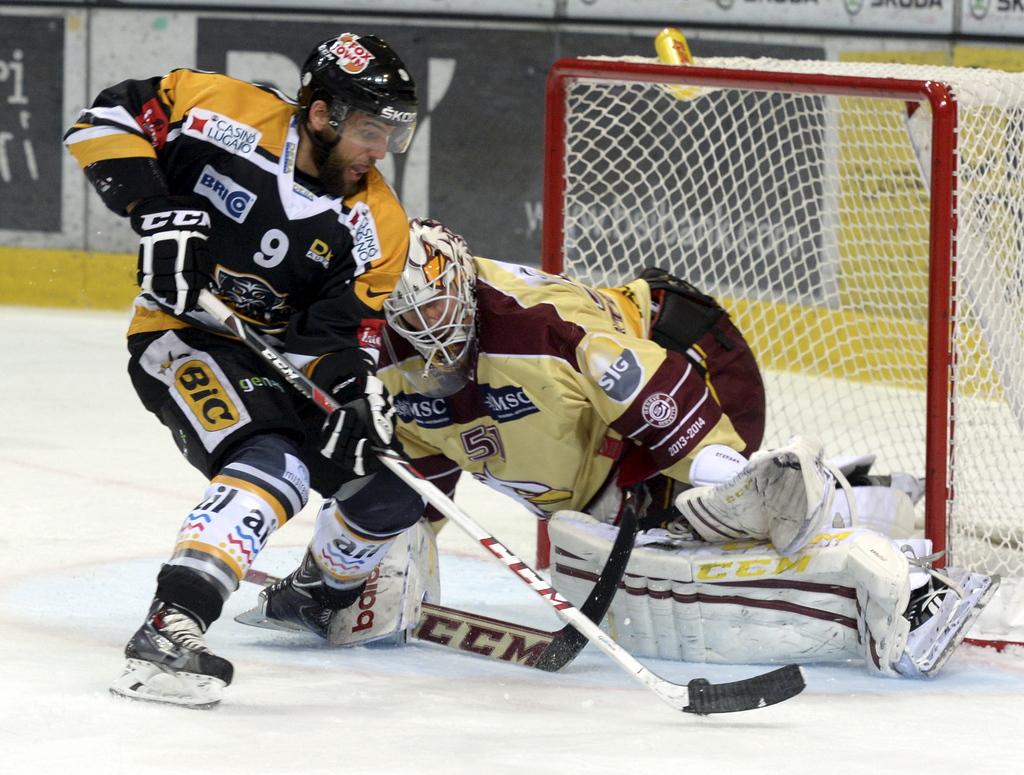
[205, 396]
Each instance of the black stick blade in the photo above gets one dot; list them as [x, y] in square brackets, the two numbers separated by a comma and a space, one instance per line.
[748, 694]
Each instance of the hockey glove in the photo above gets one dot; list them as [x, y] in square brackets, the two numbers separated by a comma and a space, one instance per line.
[353, 434]
[365, 421]
[173, 262]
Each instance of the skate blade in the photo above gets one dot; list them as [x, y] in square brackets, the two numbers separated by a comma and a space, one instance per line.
[255, 617]
[929, 667]
[144, 681]
[964, 628]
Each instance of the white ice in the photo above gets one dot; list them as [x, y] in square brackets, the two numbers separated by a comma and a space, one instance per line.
[94, 492]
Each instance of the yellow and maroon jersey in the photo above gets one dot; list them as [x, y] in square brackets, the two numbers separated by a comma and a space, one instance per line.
[292, 260]
[566, 382]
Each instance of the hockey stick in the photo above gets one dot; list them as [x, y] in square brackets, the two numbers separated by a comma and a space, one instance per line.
[510, 642]
[698, 696]
[467, 632]
[569, 641]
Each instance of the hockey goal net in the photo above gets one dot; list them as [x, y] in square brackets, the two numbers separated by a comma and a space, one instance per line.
[864, 226]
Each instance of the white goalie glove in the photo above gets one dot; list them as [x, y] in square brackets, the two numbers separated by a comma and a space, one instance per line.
[784, 495]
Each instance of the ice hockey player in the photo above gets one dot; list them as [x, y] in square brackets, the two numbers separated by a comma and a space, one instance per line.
[278, 209]
[560, 395]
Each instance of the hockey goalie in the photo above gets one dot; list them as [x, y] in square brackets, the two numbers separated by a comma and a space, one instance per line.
[566, 397]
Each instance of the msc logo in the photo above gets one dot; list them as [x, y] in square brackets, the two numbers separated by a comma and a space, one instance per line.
[233, 200]
[424, 411]
[507, 403]
[205, 396]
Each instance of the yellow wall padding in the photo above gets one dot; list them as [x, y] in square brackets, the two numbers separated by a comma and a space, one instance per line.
[66, 278]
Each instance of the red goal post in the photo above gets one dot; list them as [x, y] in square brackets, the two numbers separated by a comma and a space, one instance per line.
[825, 204]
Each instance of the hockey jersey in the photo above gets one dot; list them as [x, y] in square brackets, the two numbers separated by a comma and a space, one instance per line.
[566, 383]
[293, 261]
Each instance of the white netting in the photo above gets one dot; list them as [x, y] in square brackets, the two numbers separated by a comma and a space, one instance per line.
[808, 216]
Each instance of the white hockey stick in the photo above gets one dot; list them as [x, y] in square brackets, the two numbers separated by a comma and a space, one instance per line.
[698, 696]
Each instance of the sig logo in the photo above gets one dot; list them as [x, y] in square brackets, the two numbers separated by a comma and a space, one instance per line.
[622, 378]
[205, 396]
[614, 367]
[233, 200]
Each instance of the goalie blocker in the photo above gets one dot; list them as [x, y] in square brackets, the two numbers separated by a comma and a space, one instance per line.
[850, 594]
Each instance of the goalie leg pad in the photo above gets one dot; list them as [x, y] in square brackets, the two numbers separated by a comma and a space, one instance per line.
[390, 603]
[842, 598]
[881, 574]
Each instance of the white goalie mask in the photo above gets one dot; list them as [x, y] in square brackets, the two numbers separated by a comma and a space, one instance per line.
[433, 306]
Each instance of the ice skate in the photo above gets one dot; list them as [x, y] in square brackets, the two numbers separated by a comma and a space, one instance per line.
[300, 602]
[941, 613]
[168, 661]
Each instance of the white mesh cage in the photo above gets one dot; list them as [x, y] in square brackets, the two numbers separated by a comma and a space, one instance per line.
[862, 223]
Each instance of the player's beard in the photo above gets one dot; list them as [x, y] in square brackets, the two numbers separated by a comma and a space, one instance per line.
[331, 169]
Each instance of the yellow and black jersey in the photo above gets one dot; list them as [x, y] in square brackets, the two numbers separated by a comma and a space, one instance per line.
[293, 261]
[567, 381]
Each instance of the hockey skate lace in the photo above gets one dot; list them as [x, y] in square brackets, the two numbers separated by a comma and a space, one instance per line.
[182, 630]
[844, 484]
[927, 602]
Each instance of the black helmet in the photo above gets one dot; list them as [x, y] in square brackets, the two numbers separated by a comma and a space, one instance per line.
[361, 72]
